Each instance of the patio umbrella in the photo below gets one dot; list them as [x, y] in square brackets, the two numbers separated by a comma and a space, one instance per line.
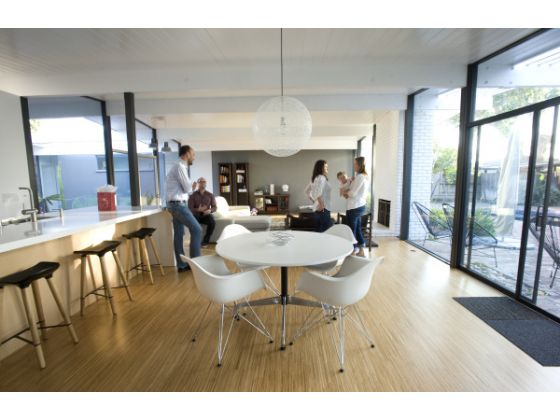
[508, 183]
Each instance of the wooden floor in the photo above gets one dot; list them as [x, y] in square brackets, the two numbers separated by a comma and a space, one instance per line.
[425, 341]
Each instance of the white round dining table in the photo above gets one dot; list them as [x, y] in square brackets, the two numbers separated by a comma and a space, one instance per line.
[305, 249]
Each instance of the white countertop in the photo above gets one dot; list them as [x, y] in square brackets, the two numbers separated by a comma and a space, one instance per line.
[74, 221]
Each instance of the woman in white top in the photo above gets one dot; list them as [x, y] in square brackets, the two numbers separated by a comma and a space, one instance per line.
[321, 195]
[356, 203]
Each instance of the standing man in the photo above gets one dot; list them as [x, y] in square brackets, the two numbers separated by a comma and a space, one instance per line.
[202, 204]
[178, 188]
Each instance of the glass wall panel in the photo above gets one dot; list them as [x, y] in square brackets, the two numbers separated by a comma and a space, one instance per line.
[435, 140]
[498, 179]
[146, 165]
[524, 75]
[68, 143]
[540, 285]
[120, 158]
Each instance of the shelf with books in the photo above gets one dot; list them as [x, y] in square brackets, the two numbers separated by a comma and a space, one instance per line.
[241, 184]
[272, 203]
[225, 181]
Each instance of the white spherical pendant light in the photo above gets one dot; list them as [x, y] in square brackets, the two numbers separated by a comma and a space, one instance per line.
[282, 124]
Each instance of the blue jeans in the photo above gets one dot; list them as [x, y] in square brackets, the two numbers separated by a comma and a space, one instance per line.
[323, 220]
[182, 217]
[354, 220]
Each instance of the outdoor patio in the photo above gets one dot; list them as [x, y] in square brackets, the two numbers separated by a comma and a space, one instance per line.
[505, 274]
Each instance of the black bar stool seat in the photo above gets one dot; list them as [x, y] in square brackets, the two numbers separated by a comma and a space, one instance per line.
[143, 235]
[140, 233]
[99, 249]
[28, 277]
[24, 278]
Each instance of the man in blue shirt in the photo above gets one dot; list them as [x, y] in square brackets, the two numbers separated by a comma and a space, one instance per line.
[178, 189]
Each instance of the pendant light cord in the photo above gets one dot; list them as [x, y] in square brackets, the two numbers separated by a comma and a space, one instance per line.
[281, 66]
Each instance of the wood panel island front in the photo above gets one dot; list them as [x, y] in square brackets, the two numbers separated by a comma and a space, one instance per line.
[55, 239]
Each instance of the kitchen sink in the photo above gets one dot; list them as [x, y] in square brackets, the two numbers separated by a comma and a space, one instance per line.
[26, 218]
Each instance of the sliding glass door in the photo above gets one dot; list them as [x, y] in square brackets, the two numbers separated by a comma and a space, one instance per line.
[490, 202]
[541, 271]
[511, 223]
[500, 160]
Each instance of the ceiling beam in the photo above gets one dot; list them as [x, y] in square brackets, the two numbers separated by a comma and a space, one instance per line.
[252, 103]
[216, 134]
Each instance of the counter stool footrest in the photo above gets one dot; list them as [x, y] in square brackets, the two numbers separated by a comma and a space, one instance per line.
[55, 326]
[95, 292]
[18, 336]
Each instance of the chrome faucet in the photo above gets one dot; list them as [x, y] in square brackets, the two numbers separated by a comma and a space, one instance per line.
[32, 211]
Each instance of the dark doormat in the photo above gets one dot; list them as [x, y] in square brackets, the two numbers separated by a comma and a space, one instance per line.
[536, 335]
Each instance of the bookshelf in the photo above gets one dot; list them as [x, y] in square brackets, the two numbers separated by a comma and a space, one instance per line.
[273, 204]
[241, 184]
[225, 181]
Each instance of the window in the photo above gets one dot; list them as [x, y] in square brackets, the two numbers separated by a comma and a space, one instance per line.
[512, 223]
[67, 137]
[521, 76]
[435, 140]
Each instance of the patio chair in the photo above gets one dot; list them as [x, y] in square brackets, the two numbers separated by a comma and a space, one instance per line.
[481, 237]
[435, 228]
[551, 243]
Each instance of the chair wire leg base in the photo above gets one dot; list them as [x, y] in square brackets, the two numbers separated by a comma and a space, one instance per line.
[223, 346]
[270, 284]
[312, 319]
[283, 338]
[199, 327]
[260, 327]
[339, 331]
[361, 326]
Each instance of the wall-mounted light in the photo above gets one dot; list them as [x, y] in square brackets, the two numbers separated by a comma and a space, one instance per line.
[166, 148]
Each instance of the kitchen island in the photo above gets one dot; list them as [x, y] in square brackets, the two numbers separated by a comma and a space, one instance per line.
[55, 239]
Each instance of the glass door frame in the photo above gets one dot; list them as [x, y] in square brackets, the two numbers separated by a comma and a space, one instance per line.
[469, 127]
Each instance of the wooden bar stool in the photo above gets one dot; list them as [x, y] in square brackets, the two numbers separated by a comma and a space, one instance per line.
[23, 279]
[142, 235]
[100, 250]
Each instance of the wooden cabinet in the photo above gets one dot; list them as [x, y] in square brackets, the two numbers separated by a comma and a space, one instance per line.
[272, 204]
[384, 212]
[225, 182]
[233, 181]
[241, 184]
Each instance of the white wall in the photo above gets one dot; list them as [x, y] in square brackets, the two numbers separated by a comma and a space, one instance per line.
[202, 166]
[13, 160]
[388, 165]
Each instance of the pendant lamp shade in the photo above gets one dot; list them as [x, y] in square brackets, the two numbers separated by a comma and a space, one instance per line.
[282, 126]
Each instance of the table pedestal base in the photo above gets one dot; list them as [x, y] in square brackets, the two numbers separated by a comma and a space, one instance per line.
[284, 299]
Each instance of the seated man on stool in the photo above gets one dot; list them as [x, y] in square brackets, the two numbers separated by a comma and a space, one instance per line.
[202, 204]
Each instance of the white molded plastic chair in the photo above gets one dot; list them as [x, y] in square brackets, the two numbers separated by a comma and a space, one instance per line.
[215, 282]
[342, 231]
[341, 292]
[234, 230]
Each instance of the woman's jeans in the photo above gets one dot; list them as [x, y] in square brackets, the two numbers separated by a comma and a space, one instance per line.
[354, 220]
[182, 217]
[322, 220]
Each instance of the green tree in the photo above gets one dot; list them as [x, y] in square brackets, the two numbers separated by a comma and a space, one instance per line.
[445, 162]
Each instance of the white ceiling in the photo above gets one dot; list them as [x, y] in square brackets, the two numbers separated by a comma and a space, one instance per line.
[209, 82]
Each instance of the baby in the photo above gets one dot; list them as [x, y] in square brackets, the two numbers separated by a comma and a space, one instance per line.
[344, 182]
